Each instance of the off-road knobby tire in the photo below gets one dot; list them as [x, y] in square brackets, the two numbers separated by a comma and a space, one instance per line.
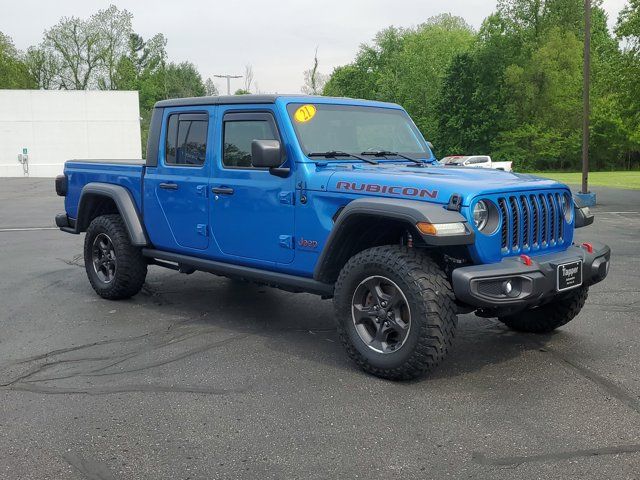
[431, 303]
[550, 316]
[131, 266]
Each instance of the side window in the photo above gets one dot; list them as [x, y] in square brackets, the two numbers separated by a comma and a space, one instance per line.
[186, 143]
[240, 129]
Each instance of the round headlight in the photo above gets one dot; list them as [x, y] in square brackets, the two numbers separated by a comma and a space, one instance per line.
[480, 214]
[566, 202]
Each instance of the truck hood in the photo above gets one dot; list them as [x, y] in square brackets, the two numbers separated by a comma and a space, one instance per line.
[431, 183]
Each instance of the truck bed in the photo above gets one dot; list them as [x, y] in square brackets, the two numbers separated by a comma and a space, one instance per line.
[126, 173]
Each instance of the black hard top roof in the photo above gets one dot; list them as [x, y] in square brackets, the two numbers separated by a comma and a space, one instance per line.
[219, 100]
[264, 99]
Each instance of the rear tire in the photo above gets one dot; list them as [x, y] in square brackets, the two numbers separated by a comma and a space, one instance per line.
[116, 269]
[550, 316]
[413, 326]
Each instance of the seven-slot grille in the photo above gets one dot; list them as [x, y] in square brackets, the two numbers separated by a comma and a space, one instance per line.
[531, 221]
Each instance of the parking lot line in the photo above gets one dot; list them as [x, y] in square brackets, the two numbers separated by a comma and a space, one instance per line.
[27, 229]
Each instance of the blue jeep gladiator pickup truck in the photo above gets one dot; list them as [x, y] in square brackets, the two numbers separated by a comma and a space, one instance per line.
[342, 198]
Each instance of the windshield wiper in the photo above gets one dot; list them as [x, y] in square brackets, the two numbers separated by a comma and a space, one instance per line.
[338, 153]
[387, 153]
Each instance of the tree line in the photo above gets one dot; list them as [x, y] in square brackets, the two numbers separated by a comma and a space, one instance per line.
[102, 52]
[513, 88]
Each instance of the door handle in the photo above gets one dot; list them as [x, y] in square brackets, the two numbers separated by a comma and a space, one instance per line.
[222, 190]
[169, 186]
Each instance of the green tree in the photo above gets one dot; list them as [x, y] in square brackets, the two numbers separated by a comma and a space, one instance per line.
[183, 80]
[422, 66]
[545, 94]
[14, 72]
[628, 77]
[516, 94]
[406, 66]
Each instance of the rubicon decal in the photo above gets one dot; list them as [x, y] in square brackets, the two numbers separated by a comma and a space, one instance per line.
[375, 188]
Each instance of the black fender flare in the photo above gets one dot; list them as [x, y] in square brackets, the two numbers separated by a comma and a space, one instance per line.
[125, 205]
[411, 212]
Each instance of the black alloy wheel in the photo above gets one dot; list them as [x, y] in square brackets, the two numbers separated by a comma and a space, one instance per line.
[381, 314]
[103, 257]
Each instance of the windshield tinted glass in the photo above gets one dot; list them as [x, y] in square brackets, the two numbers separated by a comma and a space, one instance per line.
[355, 129]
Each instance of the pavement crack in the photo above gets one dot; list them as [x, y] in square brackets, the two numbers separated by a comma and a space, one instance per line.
[609, 386]
[91, 469]
[133, 388]
[31, 380]
[76, 261]
[40, 368]
[60, 351]
[482, 459]
[175, 358]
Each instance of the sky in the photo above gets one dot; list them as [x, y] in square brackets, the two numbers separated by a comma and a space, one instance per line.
[278, 38]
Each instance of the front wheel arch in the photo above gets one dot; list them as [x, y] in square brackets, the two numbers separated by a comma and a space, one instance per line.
[356, 234]
[370, 222]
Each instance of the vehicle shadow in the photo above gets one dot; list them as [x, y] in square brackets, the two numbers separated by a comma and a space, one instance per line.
[210, 335]
[302, 325]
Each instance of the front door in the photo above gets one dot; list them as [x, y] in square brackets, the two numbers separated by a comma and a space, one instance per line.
[176, 191]
[252, 210]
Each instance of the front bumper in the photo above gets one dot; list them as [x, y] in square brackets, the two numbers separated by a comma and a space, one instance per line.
[483, 286]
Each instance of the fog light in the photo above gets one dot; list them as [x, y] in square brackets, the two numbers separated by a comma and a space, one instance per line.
[507, 287]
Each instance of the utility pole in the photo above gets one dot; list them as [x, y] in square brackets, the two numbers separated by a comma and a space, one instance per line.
[228, 77]
[585, 96]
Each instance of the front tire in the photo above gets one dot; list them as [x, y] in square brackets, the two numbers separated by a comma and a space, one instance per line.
[395, 312]
[550, 316]
[116, 269]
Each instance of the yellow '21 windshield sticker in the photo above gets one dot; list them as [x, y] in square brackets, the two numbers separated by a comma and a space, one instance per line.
[305, 113]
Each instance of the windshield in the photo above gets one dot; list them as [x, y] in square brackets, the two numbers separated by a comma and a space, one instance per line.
[356, 129]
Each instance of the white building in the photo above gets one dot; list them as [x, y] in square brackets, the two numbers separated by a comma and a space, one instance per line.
[44, 128]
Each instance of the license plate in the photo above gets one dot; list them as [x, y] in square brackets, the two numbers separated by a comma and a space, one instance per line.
[569, 275]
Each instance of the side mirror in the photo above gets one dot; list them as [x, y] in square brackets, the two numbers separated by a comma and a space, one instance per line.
[430, 145]
[583, 216]
[268, 154]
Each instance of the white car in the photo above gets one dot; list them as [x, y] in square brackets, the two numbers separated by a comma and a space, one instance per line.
[475, 161]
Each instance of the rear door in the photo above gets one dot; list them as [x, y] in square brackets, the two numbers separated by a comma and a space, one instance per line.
[176, 190]
[252, 211]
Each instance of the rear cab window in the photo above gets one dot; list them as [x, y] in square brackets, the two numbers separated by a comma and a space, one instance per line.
[186, 139]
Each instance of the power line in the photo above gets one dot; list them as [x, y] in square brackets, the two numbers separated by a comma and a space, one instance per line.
[228, 77]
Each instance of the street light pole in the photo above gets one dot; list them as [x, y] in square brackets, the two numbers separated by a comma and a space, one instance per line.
[228, 77]
[585, 96]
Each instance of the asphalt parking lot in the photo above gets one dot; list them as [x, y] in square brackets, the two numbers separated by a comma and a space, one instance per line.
[203, 377]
